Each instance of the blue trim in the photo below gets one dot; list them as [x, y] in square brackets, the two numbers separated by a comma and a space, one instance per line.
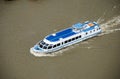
[62, 34]
[78, 25]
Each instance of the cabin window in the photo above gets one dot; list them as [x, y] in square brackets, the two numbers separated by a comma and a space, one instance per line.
[80, 36]
[98, 28]
[44, 47]
[46, 44]
[73, 39]
[41, 45]
[49, 47]
[94, 30]
[58, 44]
[54, 46]
[86, 33]
[43, 42]
[66, 41]
[69, 40]
[77, 37]
[90, 31]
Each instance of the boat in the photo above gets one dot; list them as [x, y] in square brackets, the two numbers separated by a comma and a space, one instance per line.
[66, 37]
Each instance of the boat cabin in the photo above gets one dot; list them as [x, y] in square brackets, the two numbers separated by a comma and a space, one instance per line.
[61, 35]
[79, 26]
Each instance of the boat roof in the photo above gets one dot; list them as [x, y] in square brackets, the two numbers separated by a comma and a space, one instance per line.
[60, 35]
[78, 25]
[67, 32]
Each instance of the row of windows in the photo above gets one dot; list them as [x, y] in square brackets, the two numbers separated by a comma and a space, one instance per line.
[46, 46]
[93, 31]
[67, 41]
[43, 45]
[72, 39]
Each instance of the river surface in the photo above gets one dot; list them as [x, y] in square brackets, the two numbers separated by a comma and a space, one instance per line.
[24, 22]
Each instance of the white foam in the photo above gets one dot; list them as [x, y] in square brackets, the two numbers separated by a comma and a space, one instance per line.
[110, 26]
[41, 54]
[57, 53]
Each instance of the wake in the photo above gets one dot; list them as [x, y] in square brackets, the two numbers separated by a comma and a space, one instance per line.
[110, 26]
[107, 27]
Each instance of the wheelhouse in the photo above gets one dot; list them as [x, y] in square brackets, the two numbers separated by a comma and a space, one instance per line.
[44, 45]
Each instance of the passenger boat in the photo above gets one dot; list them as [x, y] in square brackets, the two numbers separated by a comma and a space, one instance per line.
[66, 37]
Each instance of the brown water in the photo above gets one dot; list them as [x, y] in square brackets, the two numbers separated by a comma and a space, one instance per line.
[24, 22]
